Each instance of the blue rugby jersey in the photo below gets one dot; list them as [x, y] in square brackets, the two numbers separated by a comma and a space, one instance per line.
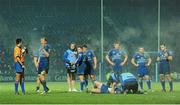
[70, 56]
[141, 59]
[41, 52]
[127, 77]
[116, 55]
[164, 54]
[90, 55]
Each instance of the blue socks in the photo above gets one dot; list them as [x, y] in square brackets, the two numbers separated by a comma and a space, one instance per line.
[22, 87]
[86, 83]
[149, 84]
[16, 87]
[82, 84]
[163, 85]
[44, 85]
[141, 84]
[37, 88]
[171, 85]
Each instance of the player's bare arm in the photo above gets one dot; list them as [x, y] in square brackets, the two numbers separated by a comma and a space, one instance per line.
[95, 62]
[110, 62]
[170, 58]
[149, 61]
[46, 53]
[125, 60]
[133, 62]
[158, 59]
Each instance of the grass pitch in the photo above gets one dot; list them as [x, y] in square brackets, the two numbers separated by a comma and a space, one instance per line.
[59, 95]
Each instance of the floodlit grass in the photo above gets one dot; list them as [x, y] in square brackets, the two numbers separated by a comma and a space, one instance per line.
[59, 95]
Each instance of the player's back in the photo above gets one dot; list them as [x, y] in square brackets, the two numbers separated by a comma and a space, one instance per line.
[90, 54]
[127, 77]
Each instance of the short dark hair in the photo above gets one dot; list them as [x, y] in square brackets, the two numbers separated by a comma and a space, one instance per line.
[162, 44]
[84, 45]
[18, 40]
[80, 46]
[71, 44]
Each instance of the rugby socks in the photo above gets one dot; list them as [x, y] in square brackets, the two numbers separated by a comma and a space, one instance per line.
[81, 85]
[141, 84]
[86, 83]
[37, 88]
[149, 84]
[163, 85]
[22, 87]
[44, 85]
[16, 87]
[47, 88]
[171, 86]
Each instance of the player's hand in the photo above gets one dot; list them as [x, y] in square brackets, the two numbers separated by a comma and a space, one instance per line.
[95, 66]
[122, 63]
[112, 63]
[136, 65]
[23, 67]
[23, 50]
[158, 59]
[147, 64]
[43, 50]
[166, 54]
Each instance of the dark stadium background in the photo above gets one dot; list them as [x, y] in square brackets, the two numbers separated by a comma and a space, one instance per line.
[133, 22]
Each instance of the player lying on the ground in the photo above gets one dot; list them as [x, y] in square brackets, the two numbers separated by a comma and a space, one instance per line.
[129, 83]
[99, 87]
